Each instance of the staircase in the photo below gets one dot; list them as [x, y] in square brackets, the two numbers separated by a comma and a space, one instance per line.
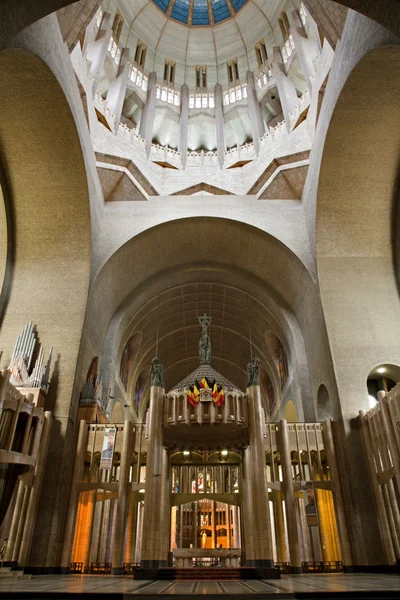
[207, 573]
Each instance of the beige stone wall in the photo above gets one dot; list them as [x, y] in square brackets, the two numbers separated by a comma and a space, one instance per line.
[330, 18]
[49, 197]
[75, 18]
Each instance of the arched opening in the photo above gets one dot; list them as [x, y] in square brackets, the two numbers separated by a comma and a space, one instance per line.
[117, 415]
[324, 410]
[357, 202]
[141, 384]
[128, 357]
[278, 354]
[381, 378]
[47, 282]
[291, 412]
[268, 389]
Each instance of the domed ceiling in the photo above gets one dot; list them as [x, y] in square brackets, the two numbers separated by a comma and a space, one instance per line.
[200, 12]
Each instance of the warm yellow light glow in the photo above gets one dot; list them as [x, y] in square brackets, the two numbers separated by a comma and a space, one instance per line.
[186, 453]
[224, 452]
[381, 370]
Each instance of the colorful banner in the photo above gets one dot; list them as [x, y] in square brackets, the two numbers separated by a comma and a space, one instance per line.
[193, 394]
[107, 452]
[218, 395]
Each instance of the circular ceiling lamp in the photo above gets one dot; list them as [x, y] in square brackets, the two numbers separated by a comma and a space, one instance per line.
[200, 12]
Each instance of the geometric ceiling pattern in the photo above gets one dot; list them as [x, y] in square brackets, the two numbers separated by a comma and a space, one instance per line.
[200, 12]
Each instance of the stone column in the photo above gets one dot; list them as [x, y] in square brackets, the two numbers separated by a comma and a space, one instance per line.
[21, 523]
[165, 509]
[35, 490]
[139, 536]
[154, 481]
[214, 526]
[339, 503]
[255, 113]
[220, 124]
[97, 51]
[148, 113]
[73, 497]
[236, 527]
[117, 89]
[194, 520]
[120, 523]
[290, 506]
[131, 533]
[287, 91]
[87, 528]
[279, 530]
[15, 522]
[307, 50]
[184, 124]
[248, 517]
[263, 553]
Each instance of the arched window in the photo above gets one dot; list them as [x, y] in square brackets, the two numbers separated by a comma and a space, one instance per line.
[128, 356]
[278, 353]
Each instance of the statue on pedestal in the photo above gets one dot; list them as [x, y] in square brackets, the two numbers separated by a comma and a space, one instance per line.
[253, 372]
[157, 373]
[205, 342]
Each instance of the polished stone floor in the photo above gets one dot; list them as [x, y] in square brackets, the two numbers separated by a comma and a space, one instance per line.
[288, 586]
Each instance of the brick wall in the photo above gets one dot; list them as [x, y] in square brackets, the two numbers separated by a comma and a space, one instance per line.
[75, 18]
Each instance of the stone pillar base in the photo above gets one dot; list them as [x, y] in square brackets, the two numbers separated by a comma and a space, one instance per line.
[46, 570]
[296, 570]
[265, 568]
[148, 569]
[117, 571]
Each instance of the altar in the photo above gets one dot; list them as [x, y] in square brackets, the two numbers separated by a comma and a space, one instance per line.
[225, 557]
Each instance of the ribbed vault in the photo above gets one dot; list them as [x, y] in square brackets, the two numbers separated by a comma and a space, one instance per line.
[239, 320]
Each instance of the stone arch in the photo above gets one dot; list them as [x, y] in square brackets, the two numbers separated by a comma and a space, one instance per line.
[128, 357]
[357, 200]
[117, 415]
[279, 356]
[290, 413]
[356, 203]
[47, 203]
[323, 404]
[50, 212]
[383, 378]
[141, 390]
[282, 289]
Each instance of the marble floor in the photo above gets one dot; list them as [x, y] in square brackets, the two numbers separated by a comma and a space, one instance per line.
[48, 586]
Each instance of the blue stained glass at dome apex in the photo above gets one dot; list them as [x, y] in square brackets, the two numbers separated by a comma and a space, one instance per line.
[163, 4]
[200, 14]
[180, 10]
[221, 10]
[237, 4]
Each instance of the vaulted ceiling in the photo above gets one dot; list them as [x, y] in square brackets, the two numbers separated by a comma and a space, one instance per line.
[170, 328]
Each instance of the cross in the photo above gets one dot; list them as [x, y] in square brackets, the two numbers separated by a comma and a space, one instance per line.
[204, 322]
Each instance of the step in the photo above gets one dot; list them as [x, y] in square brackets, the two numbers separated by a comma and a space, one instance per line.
[207, 573]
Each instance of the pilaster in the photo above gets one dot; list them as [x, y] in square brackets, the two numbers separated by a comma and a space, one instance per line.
[184, 123]
[307, 50]
[97, 51]
[148, 113]
[255, 113]
[220, 124]
[287, 91]
[116, 91]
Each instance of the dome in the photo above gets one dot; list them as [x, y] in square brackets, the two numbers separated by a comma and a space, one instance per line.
[200, 12]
